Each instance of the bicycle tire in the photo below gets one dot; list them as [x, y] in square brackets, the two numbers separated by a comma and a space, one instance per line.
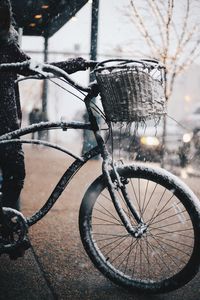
[107, 239]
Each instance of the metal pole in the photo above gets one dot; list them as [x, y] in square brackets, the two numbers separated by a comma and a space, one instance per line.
[45, 83]
[44, 115]
[88, 138]
[94, 31]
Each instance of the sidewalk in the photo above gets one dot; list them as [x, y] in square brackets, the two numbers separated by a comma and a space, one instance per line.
[57, 266]
[23, 279]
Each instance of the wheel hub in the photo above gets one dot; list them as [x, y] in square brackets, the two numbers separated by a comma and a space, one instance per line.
[141, 229]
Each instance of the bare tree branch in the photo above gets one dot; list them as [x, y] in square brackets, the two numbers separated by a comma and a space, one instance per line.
[173, 45]
[167, 26]
[143, 30]
[185, 22]
[189, 36]
[194, 53]
[159, 19]
[158, 11]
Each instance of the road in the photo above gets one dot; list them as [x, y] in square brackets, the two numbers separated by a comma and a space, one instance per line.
[56, 267]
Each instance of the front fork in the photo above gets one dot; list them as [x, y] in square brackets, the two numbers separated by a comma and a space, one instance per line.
[115, 182]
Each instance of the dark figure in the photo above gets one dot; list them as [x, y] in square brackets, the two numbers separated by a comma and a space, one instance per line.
[11, 156]
[35, 116]
[183, 154]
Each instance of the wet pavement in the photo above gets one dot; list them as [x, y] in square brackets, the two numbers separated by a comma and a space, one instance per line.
[56, 267]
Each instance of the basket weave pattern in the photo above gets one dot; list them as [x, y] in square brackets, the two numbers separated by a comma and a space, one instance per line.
[130, 94]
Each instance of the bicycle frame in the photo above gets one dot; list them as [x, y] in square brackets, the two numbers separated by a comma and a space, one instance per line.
[109, 168]
[13, 137]
[112, 232]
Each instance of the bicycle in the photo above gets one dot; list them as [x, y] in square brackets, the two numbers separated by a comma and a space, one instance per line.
[139, 225]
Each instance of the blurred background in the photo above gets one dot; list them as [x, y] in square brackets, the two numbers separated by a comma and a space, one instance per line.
[163, 30]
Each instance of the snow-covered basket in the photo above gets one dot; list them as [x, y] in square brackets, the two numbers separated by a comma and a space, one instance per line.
[131, 90]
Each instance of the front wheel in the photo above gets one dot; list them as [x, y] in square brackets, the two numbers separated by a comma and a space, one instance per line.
[167, 255]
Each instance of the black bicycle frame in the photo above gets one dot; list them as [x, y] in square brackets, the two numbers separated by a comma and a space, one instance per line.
[108, 167]
[13, 137]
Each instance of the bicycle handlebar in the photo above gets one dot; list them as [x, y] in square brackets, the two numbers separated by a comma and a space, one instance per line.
[61, 73]
[125, 63]
[46, 70]
[15, 67]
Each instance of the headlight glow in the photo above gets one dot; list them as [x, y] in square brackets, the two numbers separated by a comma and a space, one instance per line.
[150, 140]
[187, 137]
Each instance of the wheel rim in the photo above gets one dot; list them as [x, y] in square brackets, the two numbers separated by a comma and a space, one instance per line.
[162, 252]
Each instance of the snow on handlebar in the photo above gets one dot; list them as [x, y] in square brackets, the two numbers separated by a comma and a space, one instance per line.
[45, 70]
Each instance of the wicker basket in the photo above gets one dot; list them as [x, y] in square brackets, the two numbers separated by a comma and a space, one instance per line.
[131, 91]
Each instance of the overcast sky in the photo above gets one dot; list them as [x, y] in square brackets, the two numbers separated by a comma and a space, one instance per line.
[114, 30]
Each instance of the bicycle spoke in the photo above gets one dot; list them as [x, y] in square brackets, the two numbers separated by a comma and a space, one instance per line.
[133, 241]
[167, 225]
[145, 196]
[149, 264]
[135, 258]
[161, 210]
[134, 192]
[175, 248]
[106, 197]
[163, 231]
[148, 202]
[174, 241]
[155, 250]
[112, 242]
[131, 247]
[164, 250]
[111, 261]
[114, 248]
[107, 224]
[128, 209]
[107, 234]
[109, 238]
[109, 213]
[142, 251]
[168, 217]
[162, 197]
[139, 197]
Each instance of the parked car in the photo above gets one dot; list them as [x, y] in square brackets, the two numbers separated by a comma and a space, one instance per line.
[149, 141]
[146, 141]
[190, 149]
